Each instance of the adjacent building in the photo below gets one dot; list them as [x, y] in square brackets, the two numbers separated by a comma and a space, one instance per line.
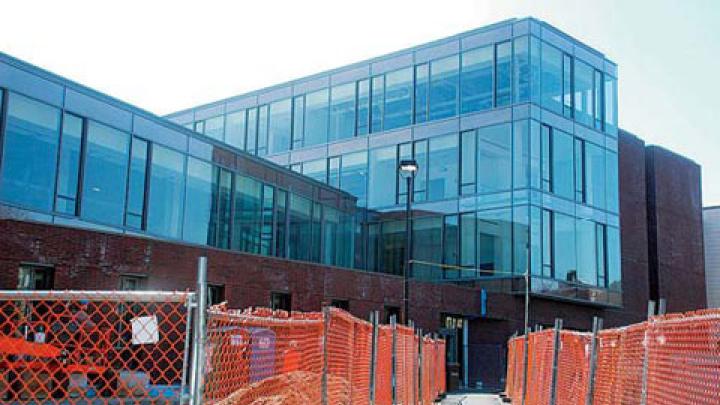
[293, 192]
[711, 223]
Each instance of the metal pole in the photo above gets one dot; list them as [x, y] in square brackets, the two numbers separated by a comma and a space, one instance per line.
[190, 304]
[420, 365]
[466, 379]
[646, 343]
[200, 330]
[393, 327]
[556, 356]
[525, 364]
[324, 381]
[408, 248]
[374, 319]
[527, 321]
[597, 326]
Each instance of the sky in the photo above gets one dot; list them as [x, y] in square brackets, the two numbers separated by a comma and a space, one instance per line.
[165, 56]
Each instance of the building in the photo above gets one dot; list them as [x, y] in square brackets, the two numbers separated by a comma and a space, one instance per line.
[293, 193]
[711, 223]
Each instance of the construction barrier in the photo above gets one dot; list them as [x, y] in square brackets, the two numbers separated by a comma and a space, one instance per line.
[93, 347]
[259, 356]
[670, 359]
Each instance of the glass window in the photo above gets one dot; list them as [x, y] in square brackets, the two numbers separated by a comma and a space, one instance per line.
[595, 175]
[342, 112]
[333, 175]
[535, 70]
[377, 103]
[392, 247]
[546, 158]
[215, 127]
[600, 255]
[251, 143]
[247, 214]
[579, 170]
[521, 154]
[298, 128]
[280, 223]
[494, 158]
[468, 243]
[421, 92]
[200, 127]
[299, 227]
[316, 232]
[587, 253]
[280, 125]
[198, 201]
[69, 167]
[235, 129]
[614, 280]
[105, 174]
[564, 250]
[444, 87]
[563, 169]
[405, 151]
[167, 187]
[330, 234]
[567, 86]
[221, 208]
[443, 167]
[521, 238]
[420, 185]
[521, 70]
[535, 154]
[451, 248]
[262, 133]
[477, 79]
[599, 103]
[610, 105]
[316, 169]
[29, 153]
[547, 244]
[354, 176]
[382, 175]
[363, 107]
[468, 162]
[266, 229]
[398, 98]
[316, 117]
[584, 100]
[494, 241]
[503, 74]
[552, 78]
[135, 215]
[611, 181]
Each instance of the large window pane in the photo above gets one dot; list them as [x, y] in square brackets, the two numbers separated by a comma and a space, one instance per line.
[610, 105]
[420, 152]
[266, 229]
[262, 133]
[105, 174]
[564, 250]
[251, 142]
[136, 184]
[503, 74]
[521, 239]
[521, 154]
[595, 175]
[443, 167]
[586, 252]
[330, 233]
[567, 85]
[316, 117]
[382, 175]
[392, 247]
[316, 169]
[354, 176]
[444, 87]
[247, 215]
[235, 131]
[599, 102]
[422, 76]
[521, 70]
[29, 153]
[613, 259]
[611, 182]
[468, 162]
[495, 158]
[221, 208]
[451, 248]
[477, 79]
[552, 78]
[377, 103]
[398, 98]
[342, 112]
[298, 127]
[299, 227]
[495, 242]
[427, 237]
[215, 127]
[280, 125]
[563, 170]
[468, 243]
[69, 167]
[281, 204]
[584, 101]
[167, 185]
[198, 201]
[363, 107]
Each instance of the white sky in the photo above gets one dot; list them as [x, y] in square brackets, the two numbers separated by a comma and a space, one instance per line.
[164, 56]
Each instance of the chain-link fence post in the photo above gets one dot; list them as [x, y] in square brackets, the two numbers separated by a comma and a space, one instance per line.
[324, 381]
[597, 326]
[556, 356]
[646, 348]
[374, 320]
[420, 366]
[185, 394]
[526, 341]
[199, 335]
[393, 327]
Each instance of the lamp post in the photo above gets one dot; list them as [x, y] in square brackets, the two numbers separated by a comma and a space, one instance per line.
[407, 170]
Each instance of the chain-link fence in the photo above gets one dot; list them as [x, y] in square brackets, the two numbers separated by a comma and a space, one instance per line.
[670, 359]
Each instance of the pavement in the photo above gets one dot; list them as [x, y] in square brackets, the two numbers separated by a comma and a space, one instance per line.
[471, 399]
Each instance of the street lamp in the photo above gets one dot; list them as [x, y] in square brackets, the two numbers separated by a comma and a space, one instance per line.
[407, 170]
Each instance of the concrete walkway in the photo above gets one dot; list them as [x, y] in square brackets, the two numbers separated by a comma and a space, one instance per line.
[471, 399]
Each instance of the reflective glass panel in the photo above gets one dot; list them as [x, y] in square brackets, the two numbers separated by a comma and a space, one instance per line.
[443, 167]
[235, 131]
[262, 134]
[444, 87]
[611, 182]
[167, 185]
[299, 227]
[215, 127]
[316, 117]
[503, 74]
[552, 78]
[382, 175]
[564, 250]
[342, 112]
[427, 237]
[563, 169]
[251, 142]
[451, 248]
[494, 242]
[595, 175]
[494, 158]
[377, 103]
[363, 107]
[280, 125]
[521, 154]
[610, 105]
[586, 252]
[354, 175]
[316, 169]
[247, 218]
[468, 162]
[613, 259]
[421, 92]
[398, 98]
[298, 129]
[477, 79]
[521, 70]
[136, 183]
[69, 167]
[567, 85]
[584, 101]
[198, 201]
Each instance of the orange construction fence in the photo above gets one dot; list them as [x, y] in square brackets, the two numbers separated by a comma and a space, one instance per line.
[259, 356]
[670, 359]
